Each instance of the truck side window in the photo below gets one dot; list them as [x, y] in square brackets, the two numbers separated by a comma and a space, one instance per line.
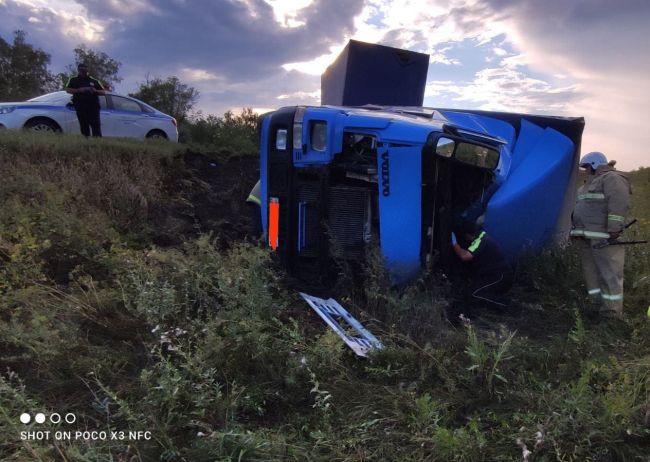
[318, 135]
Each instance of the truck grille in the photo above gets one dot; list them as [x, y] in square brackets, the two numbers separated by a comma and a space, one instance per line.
[349, 218]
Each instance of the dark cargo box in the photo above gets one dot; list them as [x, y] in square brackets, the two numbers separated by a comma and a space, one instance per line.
[365, 73]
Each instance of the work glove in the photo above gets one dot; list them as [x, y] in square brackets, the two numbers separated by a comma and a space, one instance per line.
[454, 241]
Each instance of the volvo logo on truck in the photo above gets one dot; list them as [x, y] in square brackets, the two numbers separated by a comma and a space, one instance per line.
[385, 175]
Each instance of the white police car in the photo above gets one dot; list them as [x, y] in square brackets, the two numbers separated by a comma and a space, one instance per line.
[120, 116]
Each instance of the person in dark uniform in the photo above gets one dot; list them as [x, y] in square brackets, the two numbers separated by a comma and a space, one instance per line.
[490, 272]
[85, 91]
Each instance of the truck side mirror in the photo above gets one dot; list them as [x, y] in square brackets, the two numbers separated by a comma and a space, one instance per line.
[445, 147]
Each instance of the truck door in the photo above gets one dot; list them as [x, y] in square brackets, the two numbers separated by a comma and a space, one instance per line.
[453, 189]
[398, 175]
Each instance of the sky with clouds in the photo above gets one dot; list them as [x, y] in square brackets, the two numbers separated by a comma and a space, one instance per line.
[587, 58]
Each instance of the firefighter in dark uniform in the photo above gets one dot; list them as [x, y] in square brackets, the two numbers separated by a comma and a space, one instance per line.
[85, 91]
[490, 272]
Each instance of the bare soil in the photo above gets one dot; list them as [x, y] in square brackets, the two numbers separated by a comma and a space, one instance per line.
[209, 191]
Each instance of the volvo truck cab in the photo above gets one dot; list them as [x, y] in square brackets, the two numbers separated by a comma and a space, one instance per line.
[334, 179]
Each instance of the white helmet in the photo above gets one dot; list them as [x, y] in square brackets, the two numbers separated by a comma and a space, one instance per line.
[593, 159]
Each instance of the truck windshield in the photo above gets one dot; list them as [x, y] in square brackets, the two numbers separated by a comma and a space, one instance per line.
[468, 153]
[479, 156]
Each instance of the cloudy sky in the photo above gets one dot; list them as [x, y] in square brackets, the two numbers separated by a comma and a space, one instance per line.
[586, 58]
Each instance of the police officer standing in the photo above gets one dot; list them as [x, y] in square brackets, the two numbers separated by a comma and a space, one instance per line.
[85, 91]
[598, 220]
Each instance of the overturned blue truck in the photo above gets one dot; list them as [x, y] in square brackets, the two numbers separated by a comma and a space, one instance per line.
[372, 164]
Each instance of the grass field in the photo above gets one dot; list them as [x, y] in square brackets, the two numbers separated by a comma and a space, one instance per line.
[130, 302]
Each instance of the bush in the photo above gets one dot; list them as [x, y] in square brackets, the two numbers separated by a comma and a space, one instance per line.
[234, 132]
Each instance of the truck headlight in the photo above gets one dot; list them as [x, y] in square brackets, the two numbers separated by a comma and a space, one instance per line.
[7, 109]
[281, 139]
[297, 128]
[297, 136]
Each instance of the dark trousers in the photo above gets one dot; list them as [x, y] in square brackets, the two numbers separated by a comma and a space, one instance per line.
[490, 289]
[88, 116]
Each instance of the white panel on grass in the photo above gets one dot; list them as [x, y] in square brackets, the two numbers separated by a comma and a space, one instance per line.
[333, 313]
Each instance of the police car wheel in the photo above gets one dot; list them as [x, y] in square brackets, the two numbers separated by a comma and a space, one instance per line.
[156, 135]
[42, 125]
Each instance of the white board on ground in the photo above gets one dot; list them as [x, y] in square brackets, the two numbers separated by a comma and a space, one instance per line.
[333, 313]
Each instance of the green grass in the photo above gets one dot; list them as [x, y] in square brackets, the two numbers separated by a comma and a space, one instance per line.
[203, 344]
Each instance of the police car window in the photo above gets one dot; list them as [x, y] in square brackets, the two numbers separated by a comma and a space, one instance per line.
[123, 104]
[102, 102]
[57, 97]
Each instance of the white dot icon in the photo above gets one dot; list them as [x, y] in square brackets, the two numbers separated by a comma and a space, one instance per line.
[25, 418]
[39, 418]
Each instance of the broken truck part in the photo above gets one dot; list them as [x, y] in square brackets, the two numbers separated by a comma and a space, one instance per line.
[352, 332]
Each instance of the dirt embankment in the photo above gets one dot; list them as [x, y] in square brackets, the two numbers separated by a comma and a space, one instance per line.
[207, 195]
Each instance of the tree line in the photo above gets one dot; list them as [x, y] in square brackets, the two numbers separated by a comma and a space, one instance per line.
[25, 73]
